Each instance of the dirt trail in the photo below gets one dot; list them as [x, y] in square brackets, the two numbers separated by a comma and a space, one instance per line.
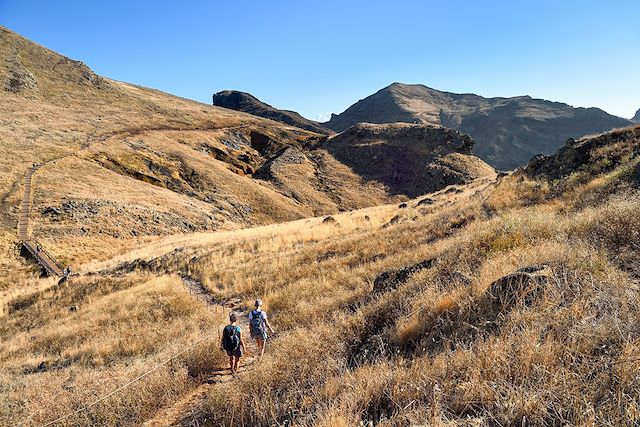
[185, 410]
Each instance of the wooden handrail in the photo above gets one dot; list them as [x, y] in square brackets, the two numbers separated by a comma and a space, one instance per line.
[41, 255]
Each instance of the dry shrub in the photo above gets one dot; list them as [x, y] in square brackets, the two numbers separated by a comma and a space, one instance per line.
[205, 358]
[537, 369]
[515, 191]
[333, 417]
[613, 225]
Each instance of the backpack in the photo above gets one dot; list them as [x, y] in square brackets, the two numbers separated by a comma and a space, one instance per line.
[230, 338]
[257, 327]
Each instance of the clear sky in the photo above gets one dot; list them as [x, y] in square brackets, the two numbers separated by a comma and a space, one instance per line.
[318, 57]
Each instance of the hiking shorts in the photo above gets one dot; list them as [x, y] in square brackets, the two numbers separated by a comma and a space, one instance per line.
[263, 337]
[236, 353]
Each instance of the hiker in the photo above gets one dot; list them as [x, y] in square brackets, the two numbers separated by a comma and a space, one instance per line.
[259, 324]
[233, 343]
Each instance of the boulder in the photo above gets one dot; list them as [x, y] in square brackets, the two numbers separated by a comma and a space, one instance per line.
[391, 279]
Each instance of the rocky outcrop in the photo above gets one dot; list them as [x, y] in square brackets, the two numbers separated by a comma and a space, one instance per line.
[408, 159]
[280, 163]
[636, 118]
[30, 70]
[592, 155]
[484, 314]
[524, 286]
[391, 279]
[507, 131]
[241, 101]
[20, 79]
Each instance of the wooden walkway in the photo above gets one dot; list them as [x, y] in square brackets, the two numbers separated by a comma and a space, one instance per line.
[44, 258]
[25, 208]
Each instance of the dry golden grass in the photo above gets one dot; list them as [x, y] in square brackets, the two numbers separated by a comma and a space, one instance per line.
[67, 346]
[427, 351]
[126, 161]
[533, 364]
[124, 164]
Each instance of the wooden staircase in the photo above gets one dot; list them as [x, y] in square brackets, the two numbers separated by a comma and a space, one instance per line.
[25, 208]
[31, 246]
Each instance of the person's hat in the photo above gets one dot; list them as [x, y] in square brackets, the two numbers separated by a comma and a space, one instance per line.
[258, 302]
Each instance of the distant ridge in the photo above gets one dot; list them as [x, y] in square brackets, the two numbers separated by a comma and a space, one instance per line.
[507, 131]
[636, 118]
[242, 101]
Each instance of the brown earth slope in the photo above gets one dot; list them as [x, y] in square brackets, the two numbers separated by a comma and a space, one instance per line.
[589, 156]
[123, 164]
[122, 161]
[508, 131]
[390, 162]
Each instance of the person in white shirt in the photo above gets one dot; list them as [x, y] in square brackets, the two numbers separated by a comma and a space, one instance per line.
[259, 325]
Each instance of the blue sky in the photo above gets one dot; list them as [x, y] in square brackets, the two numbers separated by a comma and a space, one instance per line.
[320, 57]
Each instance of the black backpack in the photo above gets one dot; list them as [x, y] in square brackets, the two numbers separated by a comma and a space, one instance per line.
[230, 338]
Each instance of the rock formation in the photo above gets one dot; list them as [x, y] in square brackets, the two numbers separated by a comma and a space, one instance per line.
[241, 101]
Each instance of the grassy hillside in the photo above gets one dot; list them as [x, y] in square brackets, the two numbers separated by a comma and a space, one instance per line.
[123, 165]
[121, 162]
[509, 302]
[516, 307]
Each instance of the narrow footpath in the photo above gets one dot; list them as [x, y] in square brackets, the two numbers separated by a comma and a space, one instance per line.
[184, 411]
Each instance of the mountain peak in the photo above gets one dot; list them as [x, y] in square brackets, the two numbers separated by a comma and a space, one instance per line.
[636, 118]
[237, 100]
[400, 85]
[508, 131]
[410, 87]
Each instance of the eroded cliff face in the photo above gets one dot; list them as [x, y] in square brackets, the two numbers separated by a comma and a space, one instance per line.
[408, 159]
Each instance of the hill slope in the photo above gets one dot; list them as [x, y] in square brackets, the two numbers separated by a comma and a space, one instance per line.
[508, 131]
[636, 118]
[408, 158]
[121, 161]
[589, 156]
[509, 302]
[380, 163]
[123, 164]
[242, 101]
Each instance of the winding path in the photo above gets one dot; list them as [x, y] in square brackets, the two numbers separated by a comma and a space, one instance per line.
[185, 411]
